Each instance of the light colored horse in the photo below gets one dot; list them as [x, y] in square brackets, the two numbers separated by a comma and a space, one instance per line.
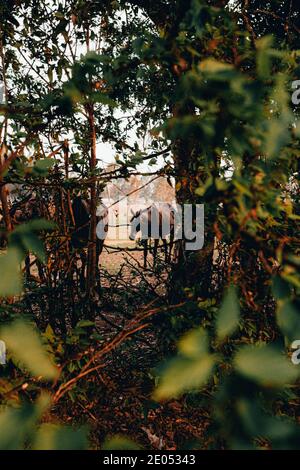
[156, 222]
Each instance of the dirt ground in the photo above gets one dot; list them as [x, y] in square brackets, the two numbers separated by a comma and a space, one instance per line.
[123, 404]
[126, 407]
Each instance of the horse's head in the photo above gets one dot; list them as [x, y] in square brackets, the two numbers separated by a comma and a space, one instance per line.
[135, 224]
[102, 221]
[80, 210]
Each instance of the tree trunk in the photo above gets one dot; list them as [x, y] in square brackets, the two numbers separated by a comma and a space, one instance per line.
[193, 268]
[92, 251]
[5, 208]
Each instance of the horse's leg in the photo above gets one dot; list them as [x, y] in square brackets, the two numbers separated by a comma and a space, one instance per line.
[145, 243]
[179, 253]
[99, 249]
[27, 266]
[82, 256]
[171, 245]
[40, 270]
[165, 243]
[155, 247]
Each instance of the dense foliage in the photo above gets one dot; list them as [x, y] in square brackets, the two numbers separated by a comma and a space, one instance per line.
[211, 83]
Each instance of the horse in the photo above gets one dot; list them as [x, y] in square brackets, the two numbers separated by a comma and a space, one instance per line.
[23, 211]
[158, 222]
[81, 209]
[29, 208]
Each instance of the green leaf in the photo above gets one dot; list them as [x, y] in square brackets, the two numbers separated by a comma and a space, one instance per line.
[59, 15]
[11, 280]
[33, 244]
[85, 324]
[102, 98]
[212, 66]
[277, 133]
[276, 137]
[49, 334]
[42, 166]
[24, 238]
[24, 344]
[119, 443]
[35, 226]
[194, 344]
[184, 374]
[263, 58]
[288, 319]
[17, 426]
[258, 423]
[265, 365]
[229, 314]
[54, 437]
[280, 288]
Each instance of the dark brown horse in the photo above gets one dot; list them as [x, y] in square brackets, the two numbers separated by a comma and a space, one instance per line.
[81, 234]
[156, 222]
[30, 208]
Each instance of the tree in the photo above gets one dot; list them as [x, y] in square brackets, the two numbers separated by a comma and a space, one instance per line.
[211, 86]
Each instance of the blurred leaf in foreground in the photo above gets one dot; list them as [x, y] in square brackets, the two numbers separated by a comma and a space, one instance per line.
[17, 426]
[288, 318]
[229, 314]
[24, 344]
[190, 370]
[184, 374]
[54, 437]
[194, 343]
[119, 443]
[10, 269]
[265, 365]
